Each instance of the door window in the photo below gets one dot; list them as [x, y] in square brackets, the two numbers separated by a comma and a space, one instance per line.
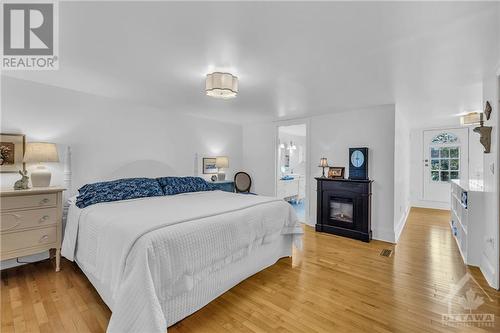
[445, 158]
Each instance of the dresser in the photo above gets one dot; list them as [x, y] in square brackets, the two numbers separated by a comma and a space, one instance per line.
[31, 222]
[224, 185]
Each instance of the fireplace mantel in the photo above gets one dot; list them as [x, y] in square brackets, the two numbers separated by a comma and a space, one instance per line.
[344, 207]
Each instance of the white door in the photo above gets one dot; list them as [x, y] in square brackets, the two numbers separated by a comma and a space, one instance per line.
[446, 157]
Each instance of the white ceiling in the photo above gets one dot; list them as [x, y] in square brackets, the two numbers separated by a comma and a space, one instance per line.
[292, 59]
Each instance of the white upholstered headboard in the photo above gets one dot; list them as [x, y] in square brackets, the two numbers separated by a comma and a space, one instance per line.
[140, 168]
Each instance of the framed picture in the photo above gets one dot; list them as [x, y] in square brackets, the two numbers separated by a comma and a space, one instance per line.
[12, 152]
[336, 172]
[209, 165]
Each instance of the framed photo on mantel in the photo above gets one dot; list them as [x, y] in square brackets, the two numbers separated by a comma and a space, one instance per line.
[12, 152]
[336, 172]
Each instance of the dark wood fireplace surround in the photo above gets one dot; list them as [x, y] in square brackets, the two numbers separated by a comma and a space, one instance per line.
[344, 207]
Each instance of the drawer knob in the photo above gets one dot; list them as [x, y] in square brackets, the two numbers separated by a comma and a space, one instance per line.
[44, 201]
[44, 218]
[44, 238]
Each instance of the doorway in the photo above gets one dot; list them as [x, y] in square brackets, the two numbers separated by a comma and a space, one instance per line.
[446, 157]
[292, 168]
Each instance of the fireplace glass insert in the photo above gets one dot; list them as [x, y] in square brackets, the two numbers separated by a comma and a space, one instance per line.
[341, 209]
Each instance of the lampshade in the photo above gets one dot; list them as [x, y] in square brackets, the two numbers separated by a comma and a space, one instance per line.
[222, 162]
[221, 85]
[472, 118]
[323, 162]
[40, 152]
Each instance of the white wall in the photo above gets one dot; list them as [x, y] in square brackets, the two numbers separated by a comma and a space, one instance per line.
[331, 136]
[259, 150]
[106, 134]
[490, 248]
[402, 175]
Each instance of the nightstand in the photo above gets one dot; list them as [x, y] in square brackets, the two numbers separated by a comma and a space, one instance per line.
[224, 185]
[31, 222]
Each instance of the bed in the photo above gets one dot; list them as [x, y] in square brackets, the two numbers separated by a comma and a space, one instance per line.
[156, 260]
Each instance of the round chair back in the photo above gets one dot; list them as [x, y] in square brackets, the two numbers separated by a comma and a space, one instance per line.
[242, 182]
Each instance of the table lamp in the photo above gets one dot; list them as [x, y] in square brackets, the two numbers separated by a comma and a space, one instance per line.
[221, 162]
[39, 152]
[323, 163]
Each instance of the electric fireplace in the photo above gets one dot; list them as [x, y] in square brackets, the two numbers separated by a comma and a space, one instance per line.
[344, 207]
[341, 209]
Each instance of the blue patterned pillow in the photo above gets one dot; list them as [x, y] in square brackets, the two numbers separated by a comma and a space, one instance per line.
[121, 189]
[176, 185]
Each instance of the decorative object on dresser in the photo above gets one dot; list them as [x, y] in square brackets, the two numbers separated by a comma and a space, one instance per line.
[23, 183]
[467, 216]
[344, 207]
[213, 178]
[242, 182]
[31, 222]
[209, 167]
[323, 163]
[39, 152]
[336, 172]
[12, 148]
[358, 163]
[221, 162]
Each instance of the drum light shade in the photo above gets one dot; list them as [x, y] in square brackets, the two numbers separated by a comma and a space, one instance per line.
[222, 162]
[472, 118]
[40, 152]
[221, 85]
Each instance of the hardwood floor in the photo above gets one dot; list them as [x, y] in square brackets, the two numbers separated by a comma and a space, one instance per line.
[334, 285]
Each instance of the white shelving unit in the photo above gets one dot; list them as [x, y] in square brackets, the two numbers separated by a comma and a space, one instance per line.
[467, 216]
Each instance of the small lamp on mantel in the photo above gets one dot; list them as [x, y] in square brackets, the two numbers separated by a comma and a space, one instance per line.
[40, 152]
[323, 163]
[221, 162]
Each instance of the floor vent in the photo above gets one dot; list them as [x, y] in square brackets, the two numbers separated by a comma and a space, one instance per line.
[386, 253]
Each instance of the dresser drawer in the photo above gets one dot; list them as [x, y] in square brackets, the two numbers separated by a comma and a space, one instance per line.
[21, 219]
[25, 239]
[28, 201]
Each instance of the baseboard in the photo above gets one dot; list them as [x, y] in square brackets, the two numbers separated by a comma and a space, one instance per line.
[488, 272]
[311, 221]
[401, 224]
[383, 235]
[431, 204]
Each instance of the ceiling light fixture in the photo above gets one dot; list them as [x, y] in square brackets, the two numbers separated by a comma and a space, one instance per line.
[221, 85]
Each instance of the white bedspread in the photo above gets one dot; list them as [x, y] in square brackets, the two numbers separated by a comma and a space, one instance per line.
[145, 251]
